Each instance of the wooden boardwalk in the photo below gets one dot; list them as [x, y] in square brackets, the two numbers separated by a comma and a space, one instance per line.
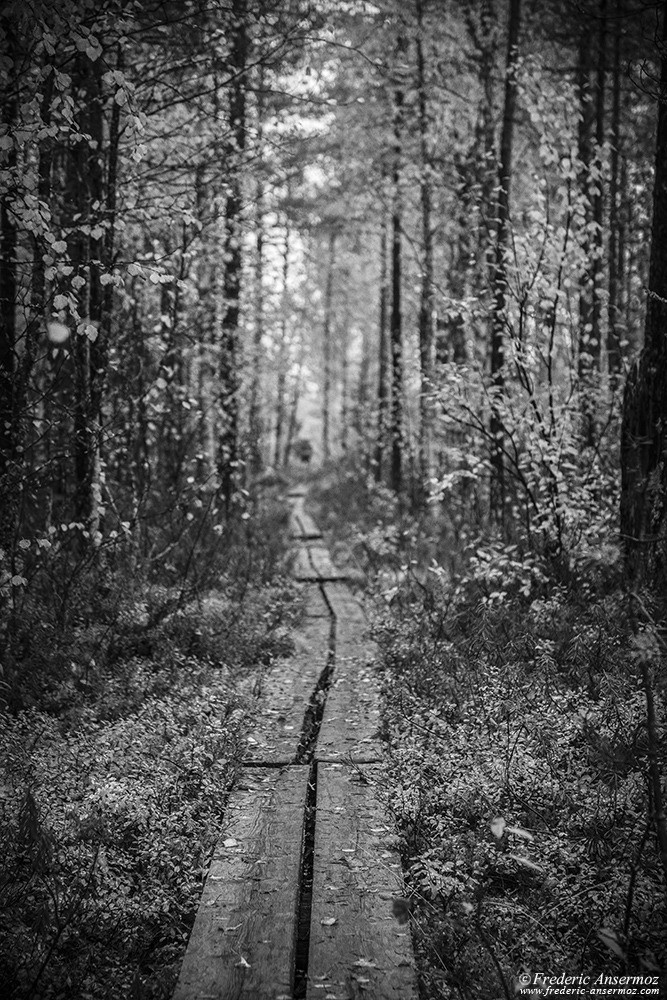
[298, 902]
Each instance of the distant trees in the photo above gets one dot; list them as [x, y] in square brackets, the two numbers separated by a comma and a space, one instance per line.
[507, 282]
[389, 229]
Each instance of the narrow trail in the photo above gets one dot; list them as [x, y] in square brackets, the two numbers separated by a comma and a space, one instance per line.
[298, 902]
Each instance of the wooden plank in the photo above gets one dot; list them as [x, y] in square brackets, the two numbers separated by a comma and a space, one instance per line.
[313, 562]
[349, 730]
[343, 603]
[323, 563]
[243, 941]
[285, 693]
[357, 947]
[309, 528]
[314, 604]
[302, 568]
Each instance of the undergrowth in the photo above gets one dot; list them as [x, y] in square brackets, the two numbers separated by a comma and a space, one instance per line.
[123, 714]
[519, 753]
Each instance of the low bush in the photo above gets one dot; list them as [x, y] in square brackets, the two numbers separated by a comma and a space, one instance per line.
[518, 746]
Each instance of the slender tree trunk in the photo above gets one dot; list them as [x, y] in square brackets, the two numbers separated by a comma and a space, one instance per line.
[8, 289]
[282, 354]
[294, 403]
[499, 316]
[255, 418]
[396, 322]
[644, 431]
[489, 167]
[585, 151]
[361, 417]
[427, 299]
[597, 270]
[614, 336]
[92, 353]
[79, 201]
[383, 395]
[345, 373]
[327, 345]
[228, 447]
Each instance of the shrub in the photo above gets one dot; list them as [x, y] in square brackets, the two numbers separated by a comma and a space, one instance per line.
[518, 750]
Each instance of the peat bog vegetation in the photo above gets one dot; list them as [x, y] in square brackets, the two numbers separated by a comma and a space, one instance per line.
[421, 247]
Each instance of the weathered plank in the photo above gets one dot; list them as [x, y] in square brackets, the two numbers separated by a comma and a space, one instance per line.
[343, 603]
[285, 693]
[313, 600]
[357, 947]
[243, 940]
[323, 563]
[349, 729]
[309, 528]
[303, 568]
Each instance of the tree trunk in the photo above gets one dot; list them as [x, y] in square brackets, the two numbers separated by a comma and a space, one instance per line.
[327, 345]
[294, 403]
[8, 289]
[228, 447]
[499, 316]
[255, 416]
[597, 276]
[591, 130]
[644, 431]
[383, 395]
[345, 377]
[614, 335]
[282, 355]
[85, 183]
[427, 300]
[396, 323]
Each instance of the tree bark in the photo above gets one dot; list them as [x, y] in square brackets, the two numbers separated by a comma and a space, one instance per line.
[396, 322]
[255, 414]
[499, 316]
[345, 373]
[8, 289]
[614, 334]
[644, 430]
[294, 403]
[597, 269]
[327, 346]
[228, 446]
[87, 192]
[282, 355]
[383, 395]
[427, 299]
